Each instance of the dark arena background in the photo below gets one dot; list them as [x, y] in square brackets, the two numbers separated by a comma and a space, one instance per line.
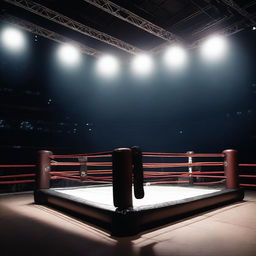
[85, 80]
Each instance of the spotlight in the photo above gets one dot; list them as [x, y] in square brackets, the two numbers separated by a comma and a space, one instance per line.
[107, 66]
[13, 39]
[253, 28]
[69, 54]
[142, 64]
[214, 48]
[175, 56]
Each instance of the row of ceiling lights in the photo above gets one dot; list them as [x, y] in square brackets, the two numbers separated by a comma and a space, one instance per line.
[174, 57]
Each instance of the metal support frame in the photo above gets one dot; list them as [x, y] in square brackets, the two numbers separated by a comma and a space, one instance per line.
[227, 31]
[240, 10]
[209, 26]
[119, 12]
[128, 16]
[74, 25]
[190, 17]
[35, 29]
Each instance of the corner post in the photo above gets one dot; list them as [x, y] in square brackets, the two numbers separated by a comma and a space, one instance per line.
[231, 168]
[122, 178]
[138, 173]
[42, 175]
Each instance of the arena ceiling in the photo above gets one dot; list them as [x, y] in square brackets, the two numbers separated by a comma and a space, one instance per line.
[127, 27]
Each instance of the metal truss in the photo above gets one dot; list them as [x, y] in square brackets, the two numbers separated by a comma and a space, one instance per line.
[249, 4]
[163, 46]
[227, 31]
[240, 10]
[133, 19]
[233, 29]
[35, 29]
[193, 15]
[210, 26]
[74, 25]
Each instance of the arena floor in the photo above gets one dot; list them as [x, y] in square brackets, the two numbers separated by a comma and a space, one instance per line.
[28, 229]
[153, 194]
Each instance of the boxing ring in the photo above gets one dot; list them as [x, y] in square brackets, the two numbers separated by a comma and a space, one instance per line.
[126, 191]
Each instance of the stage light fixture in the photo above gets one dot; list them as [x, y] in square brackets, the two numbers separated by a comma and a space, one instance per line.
[13, 39]
[108, 66]
[175, 57]
[69, 54]
[214, 48]
[142, 64]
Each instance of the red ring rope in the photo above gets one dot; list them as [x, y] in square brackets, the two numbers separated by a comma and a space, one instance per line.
[247, 185]
[247, 176]
[248, 165]
[209, 183]
[160, 173]
[169, 165]
[187, 175]
[151, 154]
[17, 176]
[100, 154]
[78, 164]
[168, 181]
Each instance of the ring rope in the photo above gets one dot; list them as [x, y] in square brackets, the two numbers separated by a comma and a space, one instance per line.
[209, 183]
[78, 164]
[169, 165]
[160, 173]
[187, 175]
[247, 176]
[100, 154]
[248, 165]
[248, 185]
[151, 154]
[18, 176]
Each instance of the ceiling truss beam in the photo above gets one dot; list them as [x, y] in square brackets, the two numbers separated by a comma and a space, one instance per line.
[74, 25]
[227, 31]
[46, 33]
[239, 10]
[134, 19]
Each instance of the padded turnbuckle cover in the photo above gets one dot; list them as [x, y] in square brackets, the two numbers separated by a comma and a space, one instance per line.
[138, 177]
